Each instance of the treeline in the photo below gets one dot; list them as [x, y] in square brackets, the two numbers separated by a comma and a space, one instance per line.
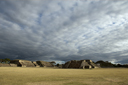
[105, 64]
[6, 60]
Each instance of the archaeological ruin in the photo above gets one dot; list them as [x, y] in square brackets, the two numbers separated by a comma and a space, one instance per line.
[22, 63]
[81, 64]
[44, 64]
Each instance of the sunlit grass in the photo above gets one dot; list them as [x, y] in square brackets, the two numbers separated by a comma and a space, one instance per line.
[51, 76]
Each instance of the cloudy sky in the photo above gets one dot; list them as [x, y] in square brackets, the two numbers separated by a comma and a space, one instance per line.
[64, 30]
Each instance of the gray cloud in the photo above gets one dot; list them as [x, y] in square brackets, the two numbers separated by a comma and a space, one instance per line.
[64, 30]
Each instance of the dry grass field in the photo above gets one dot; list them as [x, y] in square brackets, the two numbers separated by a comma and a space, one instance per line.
[51, 76]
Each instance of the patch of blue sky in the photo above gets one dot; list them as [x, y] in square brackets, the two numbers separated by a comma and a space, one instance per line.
[113, 30]
[54, 15]
[85, 36]
[72, 9]
[34, 30]
[125, 19]
[93, 4]
[21, 27]
[110, 24]
[122, 23]
[59, 62]
[62, 8]
[117, 24]
[39, 18]
[118, 21]
[73, 18]
[66, 41]
[74, 6]
[78, 47]
[99, 28]
[114, 23]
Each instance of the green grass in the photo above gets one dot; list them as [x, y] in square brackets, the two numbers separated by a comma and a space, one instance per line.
[51, 76]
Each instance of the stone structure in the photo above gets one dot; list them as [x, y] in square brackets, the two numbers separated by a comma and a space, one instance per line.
[44, 64]
[93, 65]
[22, 63]
[8, 65]
[13, 65]
[36, 65]
[80, 64]
[70, 64]
[4, 65]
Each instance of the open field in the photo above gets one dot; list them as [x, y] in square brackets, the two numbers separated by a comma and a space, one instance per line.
[50, 76]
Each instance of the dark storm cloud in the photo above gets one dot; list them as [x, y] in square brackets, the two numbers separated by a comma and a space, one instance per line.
[64, 30]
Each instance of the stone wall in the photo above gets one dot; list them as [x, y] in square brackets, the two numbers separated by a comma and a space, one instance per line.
[80, 64]
[36, 65]
[4, 65]
[92, 64]
[44, 64]
[22, 63]
[13, 65]
[75, 64]
[26, 63]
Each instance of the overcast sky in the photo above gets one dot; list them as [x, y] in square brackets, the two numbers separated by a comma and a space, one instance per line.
[64, 30]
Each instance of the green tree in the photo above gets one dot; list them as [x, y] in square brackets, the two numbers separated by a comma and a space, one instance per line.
[1, 60]
[105, 63]
[6, 60]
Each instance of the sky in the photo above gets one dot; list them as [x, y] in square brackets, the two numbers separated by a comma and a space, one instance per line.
[64, 30]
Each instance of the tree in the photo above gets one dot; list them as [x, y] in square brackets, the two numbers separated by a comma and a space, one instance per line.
[57, 64]
[1, 60]
[6, 60]
[105, 63]
[53, 63]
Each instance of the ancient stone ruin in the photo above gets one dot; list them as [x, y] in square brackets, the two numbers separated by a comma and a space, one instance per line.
[26, 63]
[22, 63]
[4, 65]
[44, 64]
[36, 65]
[13, 65]
[8, 65]
[80, 64]
[70, 64]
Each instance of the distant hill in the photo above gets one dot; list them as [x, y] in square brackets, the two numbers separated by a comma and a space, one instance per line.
[105, 64]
